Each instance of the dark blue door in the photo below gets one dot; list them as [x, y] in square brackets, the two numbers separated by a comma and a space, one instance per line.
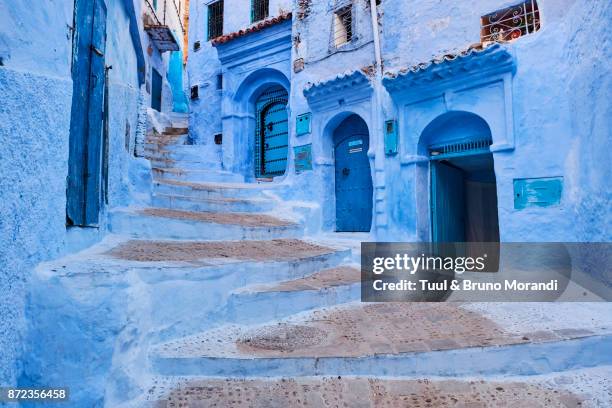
[156, 90]
[85, 147]
[353, 178]
[272, 138]
[447, 203]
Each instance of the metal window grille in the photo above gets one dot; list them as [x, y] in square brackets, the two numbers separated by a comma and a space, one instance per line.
[460, 149]
[260, 10]
[215, 19]
[511, 23]
[277, 97]
[343, 26]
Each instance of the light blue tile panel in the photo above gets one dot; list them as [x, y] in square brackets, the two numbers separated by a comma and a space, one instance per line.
[391, 137]
[537, 192]
[303, 158]
[302, 124]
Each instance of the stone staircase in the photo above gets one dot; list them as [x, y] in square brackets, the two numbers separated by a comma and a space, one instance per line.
[216, 296]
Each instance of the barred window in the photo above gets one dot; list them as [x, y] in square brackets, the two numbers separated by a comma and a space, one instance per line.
[343, 26]
[215, 19]
[511, 23]
[260, 10]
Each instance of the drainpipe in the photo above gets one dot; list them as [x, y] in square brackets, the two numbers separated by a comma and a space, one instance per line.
[377, 54]
[377, 115]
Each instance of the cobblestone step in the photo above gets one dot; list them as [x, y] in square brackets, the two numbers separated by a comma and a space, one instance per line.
[214, 190]
[166, 223]
[329, 287]
[430, 339]
[575, 388]
[195, 175]
[181, 202]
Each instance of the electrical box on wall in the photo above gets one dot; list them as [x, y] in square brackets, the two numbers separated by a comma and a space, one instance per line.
[537, 192]
[302, 124]
[303, 158]
[391, 138]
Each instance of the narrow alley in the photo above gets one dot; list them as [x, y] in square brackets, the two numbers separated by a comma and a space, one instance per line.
[195, 194]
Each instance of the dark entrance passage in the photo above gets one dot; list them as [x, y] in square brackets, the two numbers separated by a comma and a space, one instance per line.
[352, 176]
[85, 146]
[464, 199]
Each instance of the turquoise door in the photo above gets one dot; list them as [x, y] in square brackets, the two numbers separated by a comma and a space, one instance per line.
[175, 78]
[447, 203]
[352, 176]
[272, 138]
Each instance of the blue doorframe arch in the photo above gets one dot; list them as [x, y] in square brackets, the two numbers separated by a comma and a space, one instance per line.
[463, 193]
[271, 132]
[353, 178]
[240, 118]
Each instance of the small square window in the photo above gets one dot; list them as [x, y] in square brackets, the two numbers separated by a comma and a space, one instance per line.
[218, 139]
[510, 23]
[260, 9]
[215, 19]
[195, 92]
[343, 26]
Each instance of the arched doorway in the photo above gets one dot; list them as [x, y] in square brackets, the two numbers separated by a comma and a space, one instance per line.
[463, 195]
[271, 132]
[353, 180]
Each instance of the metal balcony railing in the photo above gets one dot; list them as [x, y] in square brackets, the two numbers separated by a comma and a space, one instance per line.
[162, 21]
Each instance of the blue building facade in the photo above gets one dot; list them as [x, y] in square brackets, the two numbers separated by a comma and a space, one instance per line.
[403, 121]
[496, 103]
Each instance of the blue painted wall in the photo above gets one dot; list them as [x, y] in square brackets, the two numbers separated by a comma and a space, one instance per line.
[555, 135]
[541, 110]
[35, 95]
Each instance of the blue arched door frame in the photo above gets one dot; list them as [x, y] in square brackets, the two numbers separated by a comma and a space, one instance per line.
[271, 132]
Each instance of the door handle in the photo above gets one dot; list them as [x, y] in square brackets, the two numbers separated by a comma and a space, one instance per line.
[267, 146]
[97, 51]
[346, 171]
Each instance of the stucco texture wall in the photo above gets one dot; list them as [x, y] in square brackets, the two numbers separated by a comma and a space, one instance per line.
[560, 112]
[36, 95]
[36, 91]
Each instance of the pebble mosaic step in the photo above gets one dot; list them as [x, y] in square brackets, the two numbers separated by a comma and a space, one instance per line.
[328, 287]
[396, 338]
[571, 389]
[180, 224]
[221, 204]
[214, 190]
[161, 251]
[195, 175]
[249, 261]
[326, 279]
